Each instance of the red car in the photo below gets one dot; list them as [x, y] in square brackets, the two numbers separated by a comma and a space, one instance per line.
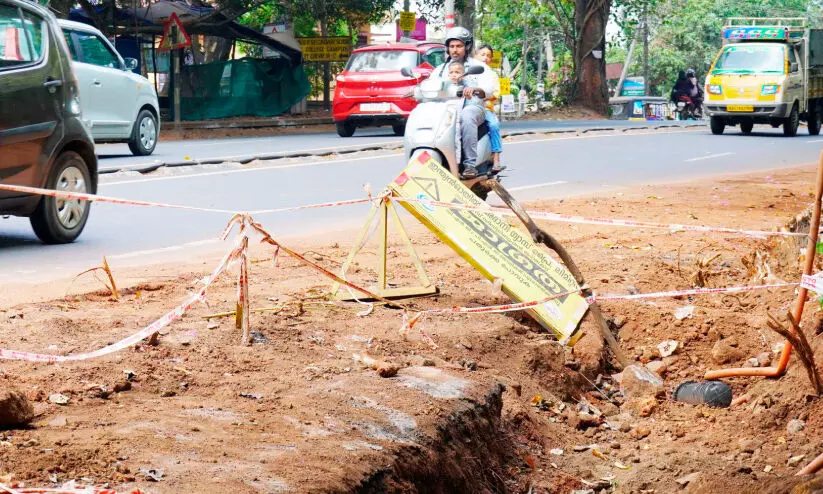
[372, 92]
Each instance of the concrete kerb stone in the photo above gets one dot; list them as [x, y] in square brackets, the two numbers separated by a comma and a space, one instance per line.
[150, 167]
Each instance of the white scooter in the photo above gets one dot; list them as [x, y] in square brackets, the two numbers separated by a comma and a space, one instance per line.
[432, 128]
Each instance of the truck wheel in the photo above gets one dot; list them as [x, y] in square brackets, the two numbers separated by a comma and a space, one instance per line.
[60, 221]
[791, 123]
[814, 122]
[345, 129]
[746, 127]
[717, 125]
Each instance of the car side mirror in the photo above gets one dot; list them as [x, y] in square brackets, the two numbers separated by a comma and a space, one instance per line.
[475, 70]
[130, 63]
[793, 67]
[407, 72]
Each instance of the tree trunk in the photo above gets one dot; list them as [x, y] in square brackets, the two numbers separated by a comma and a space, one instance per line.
[465, 17]
[590, 18]
[61, 8]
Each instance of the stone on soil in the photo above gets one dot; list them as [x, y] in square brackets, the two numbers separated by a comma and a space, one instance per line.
[15, 408]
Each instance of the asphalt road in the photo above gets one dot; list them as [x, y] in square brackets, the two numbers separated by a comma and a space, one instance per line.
[118, 156]
[547, 167]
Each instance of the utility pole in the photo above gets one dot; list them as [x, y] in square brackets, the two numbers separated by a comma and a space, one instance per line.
[646, 84]
[326, 71]
[523, 55]
[625, 70]
[406, 8]
[449, 14]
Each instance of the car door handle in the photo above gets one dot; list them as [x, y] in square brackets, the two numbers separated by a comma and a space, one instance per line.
[53, 83]
[97, 82]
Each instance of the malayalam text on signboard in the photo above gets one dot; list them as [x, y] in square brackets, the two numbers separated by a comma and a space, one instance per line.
[325, 49]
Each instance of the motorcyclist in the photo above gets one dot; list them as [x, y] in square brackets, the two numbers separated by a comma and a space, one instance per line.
[682, 87]
[695, 91]
[476, 88]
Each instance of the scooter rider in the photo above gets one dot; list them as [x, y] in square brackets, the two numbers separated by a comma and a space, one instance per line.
[459, 44]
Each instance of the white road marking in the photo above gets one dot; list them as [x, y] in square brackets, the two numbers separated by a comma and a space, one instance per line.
[537, 186]
[816, 140]
[708, 157]
[187, 245]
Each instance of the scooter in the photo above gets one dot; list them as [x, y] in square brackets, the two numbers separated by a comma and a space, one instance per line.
[432, 128]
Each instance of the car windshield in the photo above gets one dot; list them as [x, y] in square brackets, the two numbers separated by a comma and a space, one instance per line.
[751, 59]
[382, 60]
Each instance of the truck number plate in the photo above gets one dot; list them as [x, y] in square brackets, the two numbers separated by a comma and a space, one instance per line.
[379, 107]
[747, 108]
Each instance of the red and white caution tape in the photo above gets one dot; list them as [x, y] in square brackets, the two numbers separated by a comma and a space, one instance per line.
[683, 293]
[568, 218]
[144, 333]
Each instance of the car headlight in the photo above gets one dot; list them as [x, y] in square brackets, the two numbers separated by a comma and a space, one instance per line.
[768, 89]
[715, 89]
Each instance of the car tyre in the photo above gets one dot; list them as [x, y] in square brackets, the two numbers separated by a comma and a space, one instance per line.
[790, 124]
[345, 129]
[144, 134]
[746, 127]
[717, 125]
[399, 129]
[60, 221]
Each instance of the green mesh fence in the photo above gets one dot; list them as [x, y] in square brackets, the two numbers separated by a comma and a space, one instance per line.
[246, 87]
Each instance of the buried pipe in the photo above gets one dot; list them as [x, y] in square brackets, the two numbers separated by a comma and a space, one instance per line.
[811, 250]
[812, 467]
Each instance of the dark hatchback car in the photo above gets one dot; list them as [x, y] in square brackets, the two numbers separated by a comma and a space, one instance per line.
[43, 142]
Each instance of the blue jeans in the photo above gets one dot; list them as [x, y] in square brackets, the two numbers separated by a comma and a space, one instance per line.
[494, 132]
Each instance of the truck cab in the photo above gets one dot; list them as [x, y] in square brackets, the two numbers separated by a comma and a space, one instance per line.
[766, 73]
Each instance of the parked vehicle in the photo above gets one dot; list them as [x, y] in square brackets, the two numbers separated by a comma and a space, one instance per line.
[371, 91]
[43, 142]
[432, 129]
[118, 105]
[769, 71]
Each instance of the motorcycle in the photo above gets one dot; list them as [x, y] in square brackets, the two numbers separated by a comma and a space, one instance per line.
[685, 109]
[432, 128]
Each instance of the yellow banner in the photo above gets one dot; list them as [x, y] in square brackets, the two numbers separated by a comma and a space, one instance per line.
[325, 49]
[494, 247]
[407, 21]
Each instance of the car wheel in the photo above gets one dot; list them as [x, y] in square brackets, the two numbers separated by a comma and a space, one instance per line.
[399, 129]
[814, 122]
[144, 135]
[57, 220]
[345, 129]
[717, 125]
[791, 123]
[746, 127]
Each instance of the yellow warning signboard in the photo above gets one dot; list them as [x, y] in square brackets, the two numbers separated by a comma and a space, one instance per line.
[325, 48]
[407, 21]
[505, 85]
[497, 59]
[492, 245]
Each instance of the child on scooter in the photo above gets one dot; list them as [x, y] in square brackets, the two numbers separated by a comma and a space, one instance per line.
[485, 53]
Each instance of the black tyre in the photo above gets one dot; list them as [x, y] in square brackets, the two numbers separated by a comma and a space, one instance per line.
[790, 124]
[399, 129]
[345, 129]
[746, 127]
[60, 221]
[144, 134]
[717, 125]
[814, 121]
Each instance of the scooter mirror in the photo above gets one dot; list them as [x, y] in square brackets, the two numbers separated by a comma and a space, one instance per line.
[407, 72]
[475, 70]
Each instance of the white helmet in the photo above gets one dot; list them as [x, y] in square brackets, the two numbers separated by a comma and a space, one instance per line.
[460, 34]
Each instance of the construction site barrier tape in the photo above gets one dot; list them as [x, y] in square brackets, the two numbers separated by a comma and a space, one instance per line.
[115, 200]
[144, 333]
[568, 218]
